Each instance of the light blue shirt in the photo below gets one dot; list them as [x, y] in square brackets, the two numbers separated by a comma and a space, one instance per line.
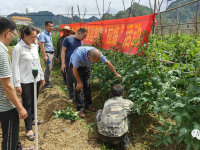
[18, 40]
[47, 39]
[80, 59]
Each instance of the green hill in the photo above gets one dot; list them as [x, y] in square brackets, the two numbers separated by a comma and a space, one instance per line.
[41, 17]
[185, 13]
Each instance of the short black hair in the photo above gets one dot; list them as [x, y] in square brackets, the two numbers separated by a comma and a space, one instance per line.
[82, 30]
[27, 30]
[6, 23]
[47, 22]
[117, 90]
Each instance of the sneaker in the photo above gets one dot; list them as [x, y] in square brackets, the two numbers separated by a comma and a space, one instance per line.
[70, 100]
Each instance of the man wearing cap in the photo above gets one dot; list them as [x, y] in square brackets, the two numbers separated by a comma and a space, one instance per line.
[66, 31]
[70, 43]
[47, 48]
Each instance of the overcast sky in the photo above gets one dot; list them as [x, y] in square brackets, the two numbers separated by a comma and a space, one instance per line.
[63, 6]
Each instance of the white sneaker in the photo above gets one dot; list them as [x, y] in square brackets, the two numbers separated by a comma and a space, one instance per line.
[70, 100]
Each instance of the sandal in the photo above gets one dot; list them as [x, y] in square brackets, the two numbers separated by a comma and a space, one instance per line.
[39, 122]
[28, 148]
[30, 137]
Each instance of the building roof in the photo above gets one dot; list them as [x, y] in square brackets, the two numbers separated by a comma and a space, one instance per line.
[23, 18]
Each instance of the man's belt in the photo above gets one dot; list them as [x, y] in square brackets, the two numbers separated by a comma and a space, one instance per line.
[50, 52]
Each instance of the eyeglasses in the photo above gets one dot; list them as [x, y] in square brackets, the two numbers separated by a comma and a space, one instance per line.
[14, 34]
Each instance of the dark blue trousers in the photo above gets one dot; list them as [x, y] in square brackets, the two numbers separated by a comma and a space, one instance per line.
[84, 74]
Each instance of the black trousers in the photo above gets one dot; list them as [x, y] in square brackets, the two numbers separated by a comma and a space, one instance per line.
[84, 74]
[10, 127]
[64, 75]
[28, 102]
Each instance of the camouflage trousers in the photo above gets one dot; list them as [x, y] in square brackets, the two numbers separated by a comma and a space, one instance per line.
[123, 140]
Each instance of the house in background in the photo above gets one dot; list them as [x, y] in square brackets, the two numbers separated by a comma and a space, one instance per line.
[22, 20]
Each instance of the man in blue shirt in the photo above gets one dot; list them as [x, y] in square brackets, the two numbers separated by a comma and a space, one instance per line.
[70, 43]
[47, 51]
[80, 62]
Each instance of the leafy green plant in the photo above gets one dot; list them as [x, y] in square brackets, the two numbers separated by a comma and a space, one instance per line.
[163, 81]
[14, 41]
[66, 114]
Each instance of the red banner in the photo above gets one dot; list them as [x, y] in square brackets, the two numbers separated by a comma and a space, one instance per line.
[125, 31]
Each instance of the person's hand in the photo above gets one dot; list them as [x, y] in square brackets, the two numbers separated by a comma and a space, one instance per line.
[63, 68]
[57, 61]
[45, 58]
[22, 113]
[118, 77]
[19, 90]
[42, 82]
[79, 86]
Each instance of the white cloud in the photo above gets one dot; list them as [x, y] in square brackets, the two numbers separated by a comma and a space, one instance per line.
[63, 6]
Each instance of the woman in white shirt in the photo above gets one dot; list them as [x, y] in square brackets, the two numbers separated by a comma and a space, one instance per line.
[24, 59]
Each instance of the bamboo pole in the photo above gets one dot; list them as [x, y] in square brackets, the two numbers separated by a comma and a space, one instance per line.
[103, 11]
[108, 10]
[150, 6]
[124, 7]
[72, 15]
[131, 8]
[84, 14]
[154, 25]
[98, 10]
[196, 21]
[79, 13]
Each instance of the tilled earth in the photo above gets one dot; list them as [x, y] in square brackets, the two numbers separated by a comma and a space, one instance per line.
[57, 134]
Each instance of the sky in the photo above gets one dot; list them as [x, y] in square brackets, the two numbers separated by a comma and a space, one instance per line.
[64, 6]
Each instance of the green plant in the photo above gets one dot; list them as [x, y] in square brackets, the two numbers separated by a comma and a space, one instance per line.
[97, 42]
[90, 127]
[14, 41]
[162, 80]
[66, 114]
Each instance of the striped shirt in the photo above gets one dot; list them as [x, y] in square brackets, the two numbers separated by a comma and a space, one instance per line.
[5, 72]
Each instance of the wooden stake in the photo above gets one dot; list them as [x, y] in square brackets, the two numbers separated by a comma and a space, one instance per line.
[98, 10]
[124, 7]
[131, 8]
[72, 16]
[79, 13]
[84, 14]
[103, 10]
[108, 10]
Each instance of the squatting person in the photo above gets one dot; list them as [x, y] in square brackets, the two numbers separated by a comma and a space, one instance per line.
[112, 121]
[80, 63]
